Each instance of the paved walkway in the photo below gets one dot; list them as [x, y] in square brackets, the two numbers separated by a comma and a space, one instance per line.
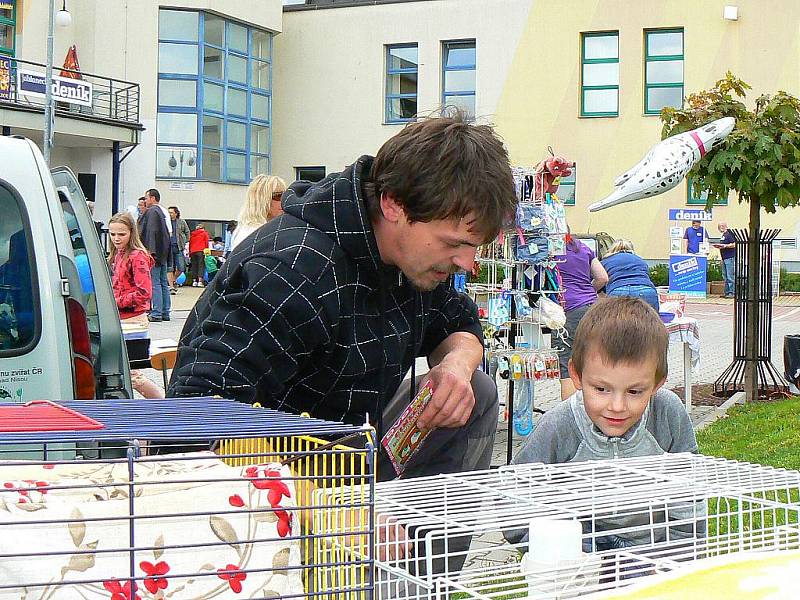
[715, 319]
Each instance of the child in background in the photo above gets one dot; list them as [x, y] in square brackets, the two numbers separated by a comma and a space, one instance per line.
[198, 243]
[620, 410]
[212, 266]
[130, 278]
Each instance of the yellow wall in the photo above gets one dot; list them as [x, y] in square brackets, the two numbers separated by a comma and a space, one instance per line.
[540, 104]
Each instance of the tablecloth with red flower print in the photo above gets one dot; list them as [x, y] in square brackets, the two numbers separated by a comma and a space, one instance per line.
[201, 530]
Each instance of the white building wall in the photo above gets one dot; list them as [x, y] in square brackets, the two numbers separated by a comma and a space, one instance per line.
[119, 39]
[329, 72]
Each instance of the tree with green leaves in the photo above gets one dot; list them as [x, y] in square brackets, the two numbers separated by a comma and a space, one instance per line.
[759, 160]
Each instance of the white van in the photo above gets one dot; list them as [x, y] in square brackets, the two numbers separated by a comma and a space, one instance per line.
[60, 335]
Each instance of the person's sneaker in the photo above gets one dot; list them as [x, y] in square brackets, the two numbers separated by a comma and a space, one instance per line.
[165, 318]
[153, 319]
[195, 284]
[173, 291]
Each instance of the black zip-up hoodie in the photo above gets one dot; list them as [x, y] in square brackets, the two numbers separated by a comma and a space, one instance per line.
[294, 318]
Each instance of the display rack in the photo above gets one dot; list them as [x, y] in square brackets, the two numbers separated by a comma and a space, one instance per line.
[520, 267]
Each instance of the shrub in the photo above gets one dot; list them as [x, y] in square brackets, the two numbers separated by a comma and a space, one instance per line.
[659, 274]
[790, 282]
[714, 271]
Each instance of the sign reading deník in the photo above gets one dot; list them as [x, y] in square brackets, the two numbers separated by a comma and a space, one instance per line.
[687, 274]
[74, 91]
[689, 214]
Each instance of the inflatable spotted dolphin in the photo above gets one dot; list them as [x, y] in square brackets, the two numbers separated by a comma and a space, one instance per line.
[666, 164]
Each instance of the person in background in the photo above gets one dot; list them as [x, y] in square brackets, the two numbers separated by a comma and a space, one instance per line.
[130, 264]
[141, 206]
[628, 274]
[178, 239]
[229, 229]
[727, 252]
[582, 276]
[695, 236]
[155, 228]
[211, 264]
[263, 202]
[217, 244]
[198, 243]
[98, 225]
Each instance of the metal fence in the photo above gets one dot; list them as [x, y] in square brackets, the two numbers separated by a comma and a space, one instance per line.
[105, 99]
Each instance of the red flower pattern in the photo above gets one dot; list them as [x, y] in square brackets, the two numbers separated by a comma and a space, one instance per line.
[284, 522]
[236, 500]
[264, 478]
[234, 578]
[24, 491]
[119, 591]
[153, 582]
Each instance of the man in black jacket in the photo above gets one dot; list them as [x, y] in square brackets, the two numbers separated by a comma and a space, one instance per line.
[325, 308]
[155, 233]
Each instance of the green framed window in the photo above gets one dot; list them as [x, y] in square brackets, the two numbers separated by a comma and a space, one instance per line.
[663, 69]
[566, 189]
[695, 199]
[600, 74]
[8, 26]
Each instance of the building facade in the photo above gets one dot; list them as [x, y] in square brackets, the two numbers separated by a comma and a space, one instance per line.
[226, 89]
[585, 77]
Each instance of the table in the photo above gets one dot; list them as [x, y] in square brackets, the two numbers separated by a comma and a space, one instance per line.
[686, 331]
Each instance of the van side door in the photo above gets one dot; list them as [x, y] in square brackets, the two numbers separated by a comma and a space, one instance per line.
[111, 366]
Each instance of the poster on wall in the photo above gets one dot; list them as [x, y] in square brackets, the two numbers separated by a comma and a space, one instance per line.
[687, 274]
[5, 78]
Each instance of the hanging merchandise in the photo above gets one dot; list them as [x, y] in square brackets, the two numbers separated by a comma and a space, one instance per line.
[553, 316]
[500, 309]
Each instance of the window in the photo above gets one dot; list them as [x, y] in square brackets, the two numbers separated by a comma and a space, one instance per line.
[600, 74]
[20, 311]
[214, 98]
[566, 189]
[458, 76]
[402, 64]
[309, 173]
[693, 198]
[8, 20]
[663, 66]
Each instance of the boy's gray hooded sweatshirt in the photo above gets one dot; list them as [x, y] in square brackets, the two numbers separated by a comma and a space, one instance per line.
[566, 434]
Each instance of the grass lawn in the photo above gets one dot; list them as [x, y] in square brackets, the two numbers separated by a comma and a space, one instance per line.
[766, 433]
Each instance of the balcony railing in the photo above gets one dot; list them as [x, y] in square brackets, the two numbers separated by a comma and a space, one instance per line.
[110, 100]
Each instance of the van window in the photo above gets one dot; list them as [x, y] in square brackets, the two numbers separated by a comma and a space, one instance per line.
[18, 305]
[82, 264]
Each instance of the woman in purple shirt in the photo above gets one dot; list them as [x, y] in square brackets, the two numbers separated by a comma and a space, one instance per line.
[582, 276]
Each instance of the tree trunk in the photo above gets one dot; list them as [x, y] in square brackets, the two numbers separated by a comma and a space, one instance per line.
[752, 304]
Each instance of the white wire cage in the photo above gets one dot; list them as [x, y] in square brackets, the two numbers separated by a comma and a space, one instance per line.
[638, 518]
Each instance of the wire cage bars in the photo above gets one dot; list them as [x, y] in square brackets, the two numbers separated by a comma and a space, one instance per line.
[184, 498]
[465, 535]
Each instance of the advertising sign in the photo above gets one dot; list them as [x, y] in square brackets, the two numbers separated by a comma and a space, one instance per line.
[5, 78]
[689, 214]
[74, 91]
[687, 274]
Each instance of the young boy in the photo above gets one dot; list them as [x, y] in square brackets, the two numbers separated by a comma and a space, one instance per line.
[618, 366]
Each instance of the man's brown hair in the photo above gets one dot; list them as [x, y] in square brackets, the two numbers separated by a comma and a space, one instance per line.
[443, 168]
[623, 330]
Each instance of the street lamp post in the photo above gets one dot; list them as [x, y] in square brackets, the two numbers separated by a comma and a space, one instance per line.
[64, 19]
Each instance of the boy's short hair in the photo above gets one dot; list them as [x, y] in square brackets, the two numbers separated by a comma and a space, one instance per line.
[625, 330]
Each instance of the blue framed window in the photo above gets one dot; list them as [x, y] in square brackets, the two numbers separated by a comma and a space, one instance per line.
[699, 199]
[663, 69]
[600, 74]
[458, 75]
[214, 98]
[8, 26]
[566, 189]
[402, 69]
